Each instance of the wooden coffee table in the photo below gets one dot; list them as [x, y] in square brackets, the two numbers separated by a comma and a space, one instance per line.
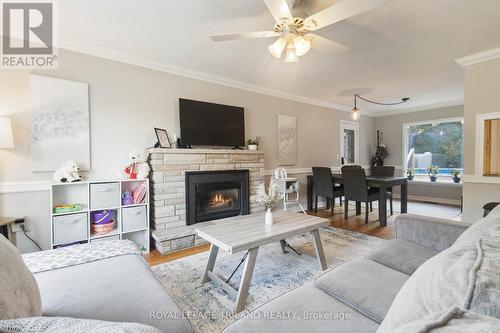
[248, 233]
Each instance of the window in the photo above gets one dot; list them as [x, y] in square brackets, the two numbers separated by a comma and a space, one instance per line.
[349, 142]
[437, 143]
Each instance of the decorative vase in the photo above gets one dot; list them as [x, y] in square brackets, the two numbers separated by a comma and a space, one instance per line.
[253, 147]
[456, 180]
[410, 177]
[269, 217]
[433, 178]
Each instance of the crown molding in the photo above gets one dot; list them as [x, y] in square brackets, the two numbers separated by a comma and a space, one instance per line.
[478, 57]
[426, 107]
[197, 75]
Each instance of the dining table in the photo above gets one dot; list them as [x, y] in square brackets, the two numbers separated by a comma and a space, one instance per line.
[383, 183]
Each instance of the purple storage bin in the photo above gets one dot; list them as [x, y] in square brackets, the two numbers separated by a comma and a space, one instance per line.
[102, 217]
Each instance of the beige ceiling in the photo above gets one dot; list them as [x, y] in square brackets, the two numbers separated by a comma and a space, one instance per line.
[403, 48]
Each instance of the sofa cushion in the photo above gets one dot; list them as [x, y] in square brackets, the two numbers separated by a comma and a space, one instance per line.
[19, 294]
[465, 276]
[363, 285]
[120, 289]
[402, 255]
[304, 309]
[61, 324]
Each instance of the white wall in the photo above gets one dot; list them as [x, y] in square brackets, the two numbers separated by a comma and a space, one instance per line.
[127, 101]
[481, 96]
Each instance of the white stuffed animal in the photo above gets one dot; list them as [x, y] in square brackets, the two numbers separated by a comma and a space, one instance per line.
[138, 168]
[68, 173]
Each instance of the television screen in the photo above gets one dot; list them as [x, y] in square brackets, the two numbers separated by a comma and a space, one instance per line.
[209, 124]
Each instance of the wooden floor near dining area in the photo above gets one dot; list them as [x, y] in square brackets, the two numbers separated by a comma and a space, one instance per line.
[352, 223]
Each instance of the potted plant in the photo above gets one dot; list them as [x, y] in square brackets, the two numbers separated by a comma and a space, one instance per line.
[457, 175]
[410, 173]
[381, 151]
[253, 143]
[432, 171]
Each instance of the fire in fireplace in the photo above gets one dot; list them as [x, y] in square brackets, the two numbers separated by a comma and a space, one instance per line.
[218, 200]
[213, 195]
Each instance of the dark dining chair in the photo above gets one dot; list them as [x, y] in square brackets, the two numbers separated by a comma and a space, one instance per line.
[324, 186]
[384, 171]
[356, 188]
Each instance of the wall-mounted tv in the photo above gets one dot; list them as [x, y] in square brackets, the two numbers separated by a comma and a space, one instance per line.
[210, 124]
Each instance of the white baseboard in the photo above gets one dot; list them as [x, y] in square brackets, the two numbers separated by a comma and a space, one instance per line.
[430, 199]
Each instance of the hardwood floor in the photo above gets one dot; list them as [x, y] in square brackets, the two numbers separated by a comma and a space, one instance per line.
[353, 223]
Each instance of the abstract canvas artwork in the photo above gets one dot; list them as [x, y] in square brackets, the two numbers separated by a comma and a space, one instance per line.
[287, 140]
[60, 123]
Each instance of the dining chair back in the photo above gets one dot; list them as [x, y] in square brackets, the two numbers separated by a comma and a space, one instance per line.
[323, 181]
[355, 186]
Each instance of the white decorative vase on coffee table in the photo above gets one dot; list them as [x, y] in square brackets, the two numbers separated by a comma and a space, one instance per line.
[269, 217]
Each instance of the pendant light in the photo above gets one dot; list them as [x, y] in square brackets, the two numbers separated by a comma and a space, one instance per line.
[355, 110]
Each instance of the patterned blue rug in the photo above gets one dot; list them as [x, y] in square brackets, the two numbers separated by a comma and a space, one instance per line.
[209, 308]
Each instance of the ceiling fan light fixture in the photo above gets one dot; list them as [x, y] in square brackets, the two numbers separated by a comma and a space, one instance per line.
[277, 47]
[302, 46]
[291, 56]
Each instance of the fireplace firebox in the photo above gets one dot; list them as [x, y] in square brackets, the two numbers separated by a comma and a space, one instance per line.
[212, 195]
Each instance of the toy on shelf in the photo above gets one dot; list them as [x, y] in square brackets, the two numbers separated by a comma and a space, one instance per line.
[102, 223]
[70, 208]
[68, 172]
[127, 198]
[140, 193]
[138, 168]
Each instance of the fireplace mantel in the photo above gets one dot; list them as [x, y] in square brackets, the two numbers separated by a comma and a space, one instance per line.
[204, 151]
[167, 195]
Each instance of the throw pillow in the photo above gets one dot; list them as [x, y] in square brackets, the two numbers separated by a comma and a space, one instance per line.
[19, 294]
[63, 324]
[465, 276]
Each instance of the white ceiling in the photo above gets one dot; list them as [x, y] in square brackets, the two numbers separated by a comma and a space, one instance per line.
[403, 48]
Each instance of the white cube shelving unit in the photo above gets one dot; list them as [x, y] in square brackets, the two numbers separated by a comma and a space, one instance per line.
[132, 221]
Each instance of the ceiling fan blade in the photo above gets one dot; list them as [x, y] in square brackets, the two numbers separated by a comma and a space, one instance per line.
[325, 45]
[338, 12]
[243, 35]
[279, 9]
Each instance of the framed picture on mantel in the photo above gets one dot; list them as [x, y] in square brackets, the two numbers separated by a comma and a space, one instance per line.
[163, 140]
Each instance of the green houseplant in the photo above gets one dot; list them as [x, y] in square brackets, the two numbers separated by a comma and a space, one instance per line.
[410, 173]
[457, 175]
[432, 171]
[253, 143]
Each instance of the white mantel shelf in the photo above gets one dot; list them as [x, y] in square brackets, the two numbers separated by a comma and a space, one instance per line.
[202, 151]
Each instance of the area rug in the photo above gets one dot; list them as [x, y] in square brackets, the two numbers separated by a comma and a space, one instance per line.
[209, 308]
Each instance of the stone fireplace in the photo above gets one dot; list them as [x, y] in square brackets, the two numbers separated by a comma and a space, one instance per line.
[230, 180]
[212, 195]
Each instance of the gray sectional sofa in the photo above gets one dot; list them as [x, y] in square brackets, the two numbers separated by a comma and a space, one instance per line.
[436, 275]
[119, 288]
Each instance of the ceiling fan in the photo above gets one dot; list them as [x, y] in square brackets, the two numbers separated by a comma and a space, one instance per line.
[295, 32]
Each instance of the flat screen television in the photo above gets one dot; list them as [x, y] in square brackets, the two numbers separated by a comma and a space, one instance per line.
[210, 124]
